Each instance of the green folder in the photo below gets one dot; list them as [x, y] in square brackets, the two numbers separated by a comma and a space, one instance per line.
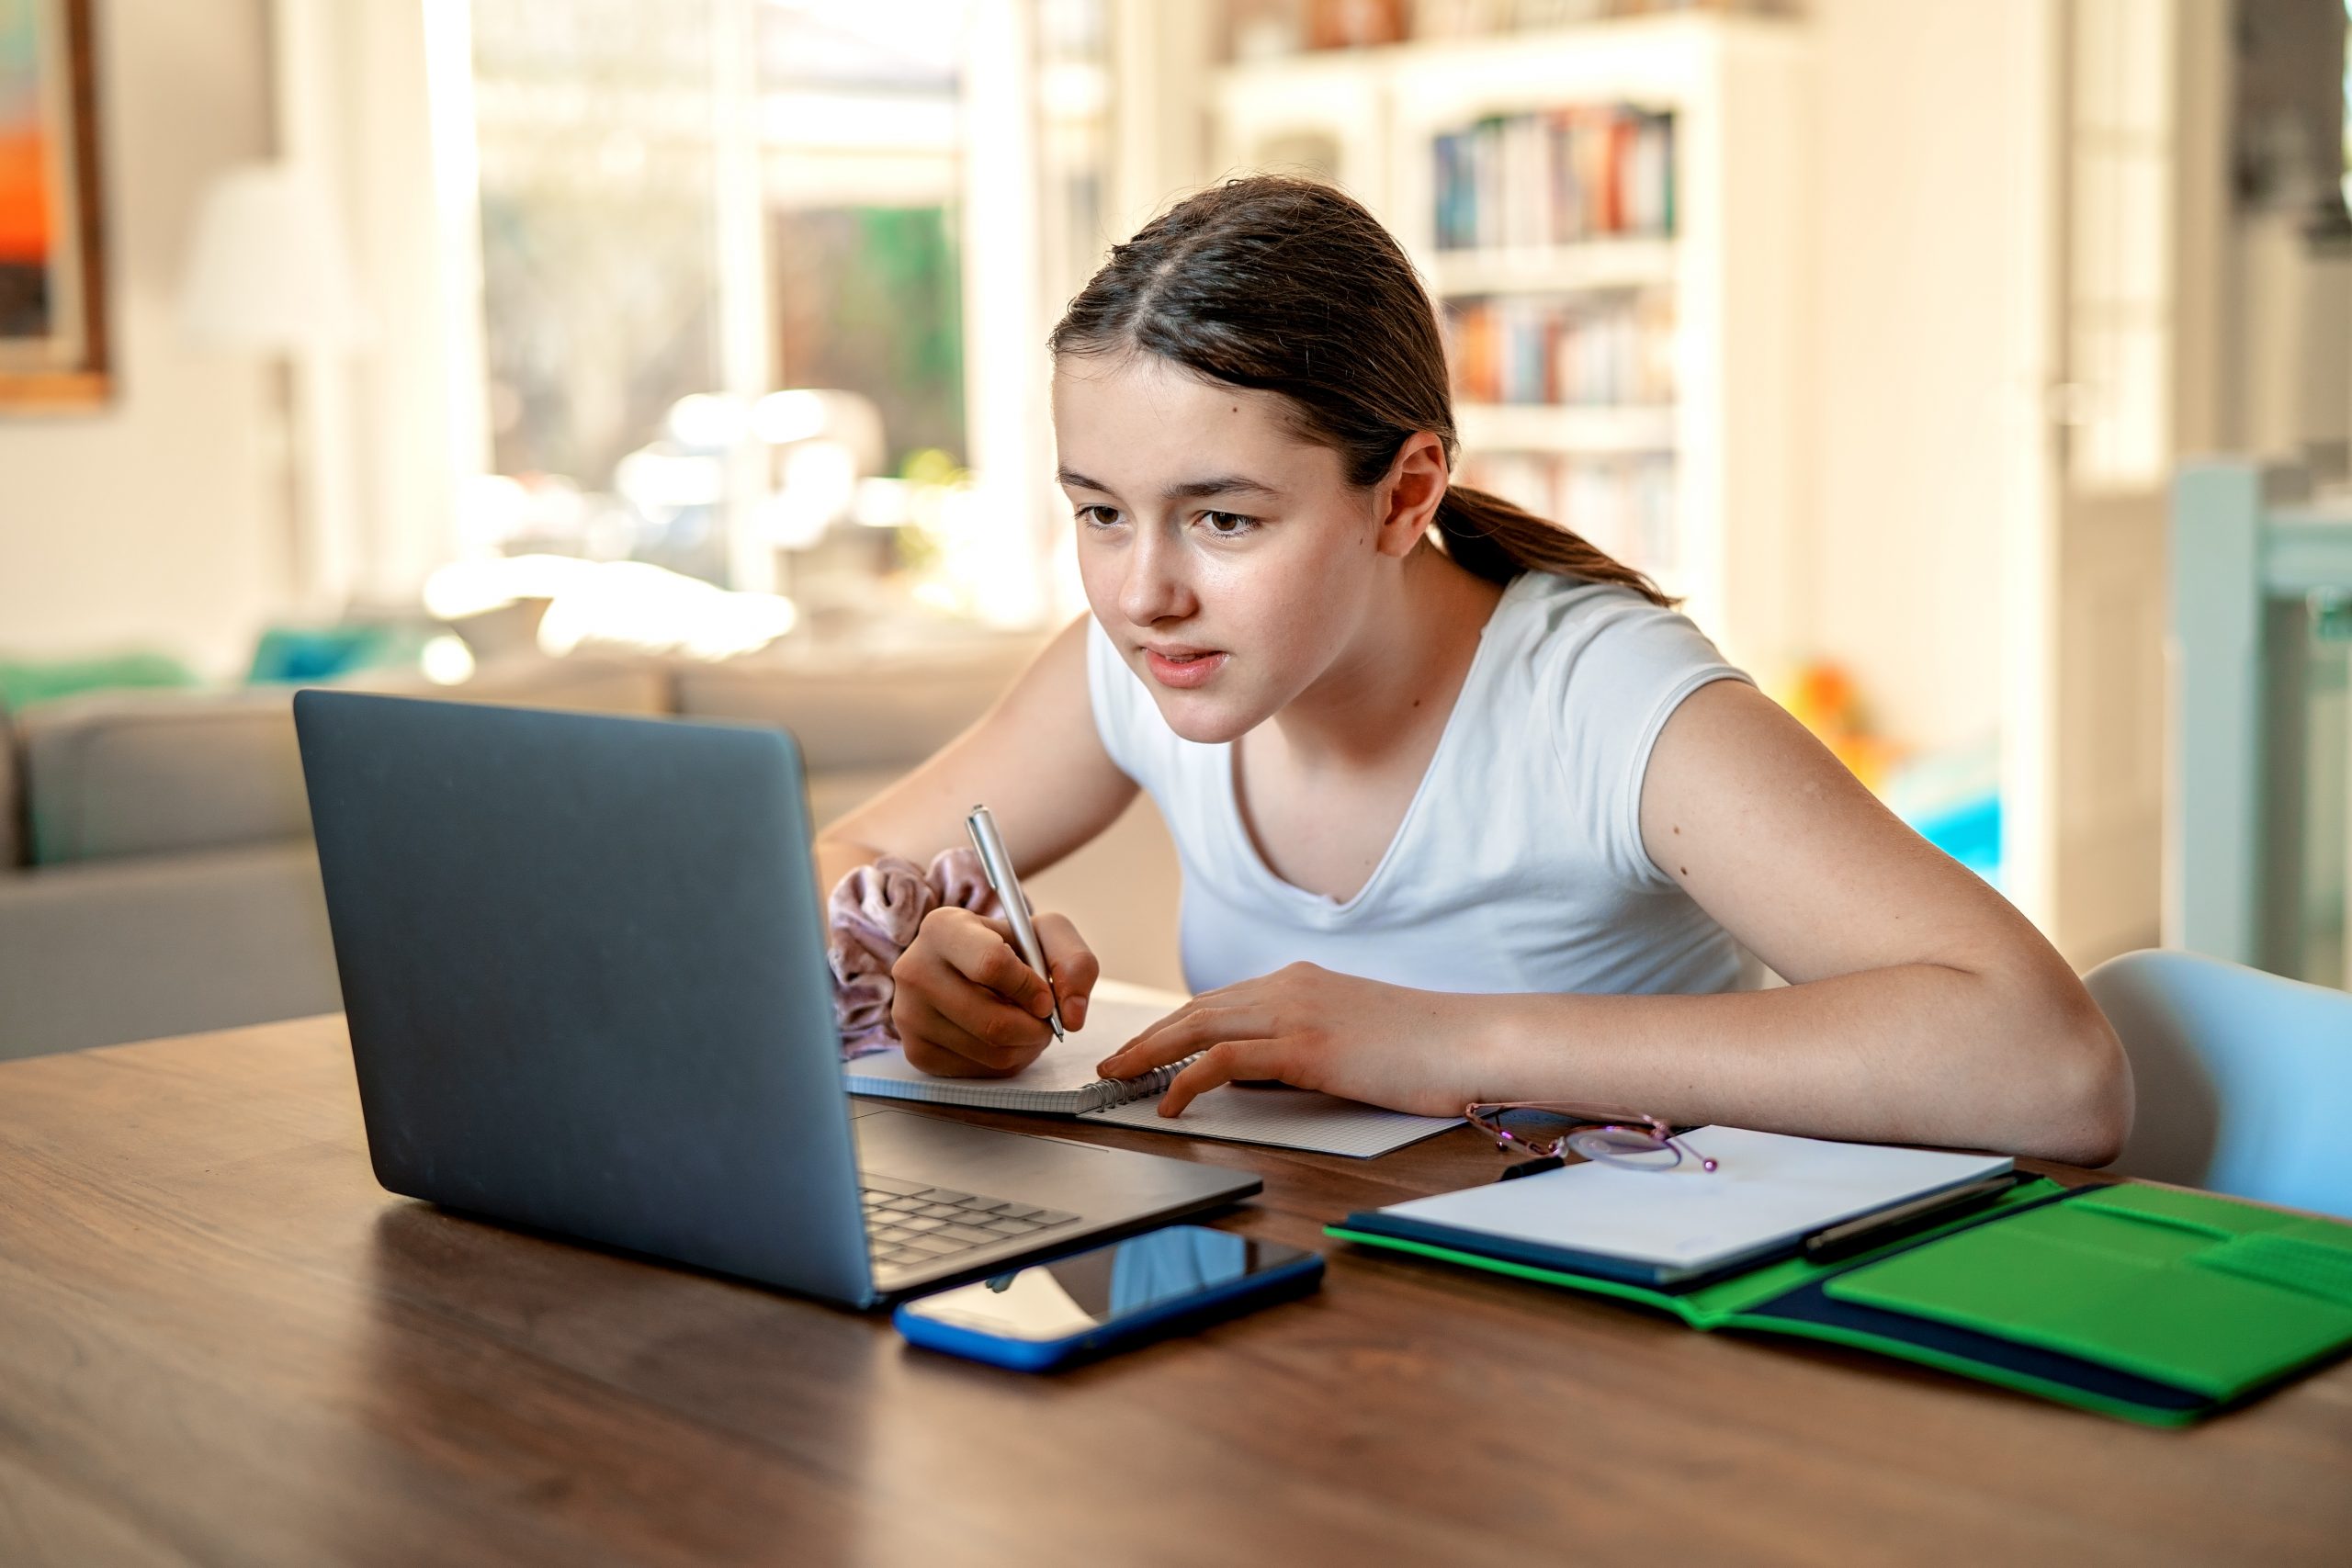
[2145, 1303]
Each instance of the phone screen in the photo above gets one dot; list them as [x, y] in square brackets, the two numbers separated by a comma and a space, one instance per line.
[1088, 1289]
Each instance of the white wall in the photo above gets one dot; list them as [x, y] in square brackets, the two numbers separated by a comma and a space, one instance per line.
[408, 204]
[155, 523]
[1921, 406]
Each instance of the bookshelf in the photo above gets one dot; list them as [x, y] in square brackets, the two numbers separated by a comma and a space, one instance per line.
[1609, 217]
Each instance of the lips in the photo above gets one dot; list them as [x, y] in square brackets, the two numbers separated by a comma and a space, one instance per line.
[1183, 668]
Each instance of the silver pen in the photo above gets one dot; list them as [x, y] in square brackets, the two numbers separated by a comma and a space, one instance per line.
[997, 866]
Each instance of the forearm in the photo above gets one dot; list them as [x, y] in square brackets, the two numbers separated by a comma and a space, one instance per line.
[1917, 1052]
[837, 857]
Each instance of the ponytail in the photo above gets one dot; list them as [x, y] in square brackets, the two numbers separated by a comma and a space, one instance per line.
[1488, 535]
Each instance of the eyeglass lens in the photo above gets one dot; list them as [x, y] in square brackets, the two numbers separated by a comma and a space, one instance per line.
[1625, 1146]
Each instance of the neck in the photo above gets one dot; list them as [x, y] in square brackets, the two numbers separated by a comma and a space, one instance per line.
[1399, 676]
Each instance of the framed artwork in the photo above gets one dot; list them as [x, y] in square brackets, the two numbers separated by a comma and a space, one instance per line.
[53, 299]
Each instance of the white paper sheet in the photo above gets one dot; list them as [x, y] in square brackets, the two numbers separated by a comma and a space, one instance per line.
[1287, 1118]
[1769, 1189]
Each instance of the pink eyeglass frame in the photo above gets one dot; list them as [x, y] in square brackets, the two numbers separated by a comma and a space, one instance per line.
[1648, 1132]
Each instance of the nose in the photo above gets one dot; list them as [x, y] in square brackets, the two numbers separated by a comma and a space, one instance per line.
[1155, 588]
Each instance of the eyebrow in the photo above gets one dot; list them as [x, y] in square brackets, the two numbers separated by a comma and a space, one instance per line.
[1184, 489]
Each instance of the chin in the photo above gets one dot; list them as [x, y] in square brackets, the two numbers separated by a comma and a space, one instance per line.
[1203, 720]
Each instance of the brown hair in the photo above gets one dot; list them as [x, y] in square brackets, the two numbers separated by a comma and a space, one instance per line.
[1288, 285]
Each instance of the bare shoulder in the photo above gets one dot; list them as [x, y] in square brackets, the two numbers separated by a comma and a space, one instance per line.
[1727, 741]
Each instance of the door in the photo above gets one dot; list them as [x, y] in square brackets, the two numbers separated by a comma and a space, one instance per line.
[2086, 763]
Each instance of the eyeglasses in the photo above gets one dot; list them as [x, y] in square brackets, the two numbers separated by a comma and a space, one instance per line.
[1612, 1137]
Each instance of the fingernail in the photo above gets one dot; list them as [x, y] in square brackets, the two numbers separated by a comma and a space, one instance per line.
[1108, 1067]
[1074, 1012]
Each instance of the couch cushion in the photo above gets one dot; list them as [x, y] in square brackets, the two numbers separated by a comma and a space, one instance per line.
[877, 715]
[149, 773]
[134, 773]
[128, 949]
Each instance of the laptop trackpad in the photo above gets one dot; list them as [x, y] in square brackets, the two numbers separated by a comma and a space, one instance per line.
[1100, 1185]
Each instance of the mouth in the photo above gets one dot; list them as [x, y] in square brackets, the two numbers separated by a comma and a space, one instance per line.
[1183, 667]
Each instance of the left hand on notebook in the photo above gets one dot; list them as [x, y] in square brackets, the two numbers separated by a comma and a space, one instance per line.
[1305, 1025]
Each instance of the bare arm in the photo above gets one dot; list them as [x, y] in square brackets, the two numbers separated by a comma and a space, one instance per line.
[1922, 1008]
[964, 1003]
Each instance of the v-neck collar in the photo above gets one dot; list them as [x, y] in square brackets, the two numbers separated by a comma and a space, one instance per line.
[1323, 903]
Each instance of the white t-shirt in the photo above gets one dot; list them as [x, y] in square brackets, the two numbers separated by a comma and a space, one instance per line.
[1519, 865]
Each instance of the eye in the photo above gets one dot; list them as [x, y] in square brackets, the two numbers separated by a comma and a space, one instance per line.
[1099, 516]
[1228, 525]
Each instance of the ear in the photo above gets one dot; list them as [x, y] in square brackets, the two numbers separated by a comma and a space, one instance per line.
[1408, 494]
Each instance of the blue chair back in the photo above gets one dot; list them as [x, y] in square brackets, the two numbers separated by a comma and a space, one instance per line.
[2244, 1080]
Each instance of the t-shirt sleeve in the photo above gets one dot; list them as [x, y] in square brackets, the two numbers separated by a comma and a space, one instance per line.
[1611, 693]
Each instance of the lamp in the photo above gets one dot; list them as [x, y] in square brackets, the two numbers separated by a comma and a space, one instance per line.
[267, 275]
[268, 271]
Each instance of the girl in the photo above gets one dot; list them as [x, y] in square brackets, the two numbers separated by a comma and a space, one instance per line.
[1466, 811]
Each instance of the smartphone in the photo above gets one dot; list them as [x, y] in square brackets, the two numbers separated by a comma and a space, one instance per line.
[1091, 1304]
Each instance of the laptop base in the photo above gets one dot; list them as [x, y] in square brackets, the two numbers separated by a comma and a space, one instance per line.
[1115, 1192]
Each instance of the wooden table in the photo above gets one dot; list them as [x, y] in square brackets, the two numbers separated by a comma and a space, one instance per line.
[222, 1342]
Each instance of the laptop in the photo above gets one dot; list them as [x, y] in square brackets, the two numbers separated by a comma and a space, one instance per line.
[583, 965]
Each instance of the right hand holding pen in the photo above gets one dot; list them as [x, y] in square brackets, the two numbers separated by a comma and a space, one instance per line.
[966, 1006]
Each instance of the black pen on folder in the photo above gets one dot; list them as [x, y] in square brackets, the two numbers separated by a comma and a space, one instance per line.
[1850, 1236]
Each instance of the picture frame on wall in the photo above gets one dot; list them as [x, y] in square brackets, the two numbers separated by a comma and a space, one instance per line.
[54, 341]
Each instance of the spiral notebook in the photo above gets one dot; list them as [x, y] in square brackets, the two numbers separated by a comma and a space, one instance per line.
[1063, 1082]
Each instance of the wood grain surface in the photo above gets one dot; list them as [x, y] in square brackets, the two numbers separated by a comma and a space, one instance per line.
[222, 1342]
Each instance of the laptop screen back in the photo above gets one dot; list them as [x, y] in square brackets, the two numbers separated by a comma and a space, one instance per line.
[582, 962]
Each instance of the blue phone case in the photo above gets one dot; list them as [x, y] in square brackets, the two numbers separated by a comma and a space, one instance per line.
[1292, 1279]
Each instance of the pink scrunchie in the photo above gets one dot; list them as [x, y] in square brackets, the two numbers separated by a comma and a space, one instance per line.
[872, 916]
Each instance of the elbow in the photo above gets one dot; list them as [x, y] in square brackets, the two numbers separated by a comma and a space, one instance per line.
[2086, 1104]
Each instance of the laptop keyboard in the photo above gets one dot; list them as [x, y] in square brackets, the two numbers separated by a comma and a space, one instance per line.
[909, 1224]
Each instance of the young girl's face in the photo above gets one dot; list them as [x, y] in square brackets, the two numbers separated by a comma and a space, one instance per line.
[1229, 559]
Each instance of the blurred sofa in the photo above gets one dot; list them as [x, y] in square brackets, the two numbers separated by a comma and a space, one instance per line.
[156, 873]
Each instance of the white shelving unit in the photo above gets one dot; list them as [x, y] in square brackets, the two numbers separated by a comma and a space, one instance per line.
[1601, 430]
[1369, 120]
[1594, 264]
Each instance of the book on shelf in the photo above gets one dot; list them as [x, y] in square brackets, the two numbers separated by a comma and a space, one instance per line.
[1621, 503]
[1555, 177]
[1597, 351]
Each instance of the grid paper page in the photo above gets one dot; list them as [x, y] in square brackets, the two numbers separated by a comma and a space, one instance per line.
[1062, 1079]
[1285, 1118]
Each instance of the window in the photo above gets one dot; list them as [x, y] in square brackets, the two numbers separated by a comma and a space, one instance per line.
[727, 262]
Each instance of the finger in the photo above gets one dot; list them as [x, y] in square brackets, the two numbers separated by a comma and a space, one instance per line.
[1152, 1031]
[941, 1046]
[976, 1021]
[1072, 965]
[981, 951]
[936, 1043]
[1241, 993]
[1221, 1065]
[1178, 1036]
